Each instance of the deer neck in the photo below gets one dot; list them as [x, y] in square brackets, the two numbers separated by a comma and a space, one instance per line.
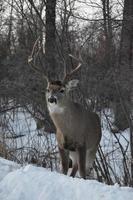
[58, 113]
[58, 108]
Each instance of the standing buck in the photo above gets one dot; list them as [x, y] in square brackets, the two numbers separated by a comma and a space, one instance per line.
[78, 130]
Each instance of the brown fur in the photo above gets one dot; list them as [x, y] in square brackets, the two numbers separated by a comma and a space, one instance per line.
[77, 130]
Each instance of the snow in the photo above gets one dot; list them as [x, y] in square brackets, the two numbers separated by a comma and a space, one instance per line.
[36, 183]
[7, 166]
[36, 144]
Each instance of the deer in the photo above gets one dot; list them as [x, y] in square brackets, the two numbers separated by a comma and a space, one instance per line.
[78, 130]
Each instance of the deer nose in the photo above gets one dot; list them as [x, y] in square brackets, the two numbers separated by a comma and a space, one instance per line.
[52, 99]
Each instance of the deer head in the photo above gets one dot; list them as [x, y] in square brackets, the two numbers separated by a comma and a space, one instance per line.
[57, 91]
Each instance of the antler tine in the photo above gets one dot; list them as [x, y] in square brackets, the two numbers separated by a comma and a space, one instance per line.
[67, 76]
[31, 59]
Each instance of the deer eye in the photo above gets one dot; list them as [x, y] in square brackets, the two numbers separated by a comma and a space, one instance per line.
[62, 91]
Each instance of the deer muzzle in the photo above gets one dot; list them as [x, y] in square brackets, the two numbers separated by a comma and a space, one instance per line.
[52, 99]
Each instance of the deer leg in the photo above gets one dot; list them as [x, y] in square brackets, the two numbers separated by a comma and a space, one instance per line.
[74, 170]
[89, 162]
[73, 156]
[81, 151]
[64, 160]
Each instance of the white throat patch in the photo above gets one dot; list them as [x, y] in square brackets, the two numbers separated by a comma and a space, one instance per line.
[55, 108]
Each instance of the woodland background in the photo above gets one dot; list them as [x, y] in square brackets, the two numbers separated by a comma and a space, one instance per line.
[44, 32]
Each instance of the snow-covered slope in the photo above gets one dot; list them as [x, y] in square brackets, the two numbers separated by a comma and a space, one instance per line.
[7, 166]
[36, 183]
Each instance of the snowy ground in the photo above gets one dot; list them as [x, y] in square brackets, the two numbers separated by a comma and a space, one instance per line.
[7, 166]
[36, 183]
[35, 144]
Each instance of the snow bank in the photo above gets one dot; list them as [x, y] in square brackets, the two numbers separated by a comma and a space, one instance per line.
[7, 166]
[36, 183]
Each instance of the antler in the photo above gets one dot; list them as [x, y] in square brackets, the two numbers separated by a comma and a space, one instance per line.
[32, 59]
[68, 76]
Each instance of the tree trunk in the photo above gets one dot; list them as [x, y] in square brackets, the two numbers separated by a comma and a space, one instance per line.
[108, 33]
[50, 39]
[122, 104]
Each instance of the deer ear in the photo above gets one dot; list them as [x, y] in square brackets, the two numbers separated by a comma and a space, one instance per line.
[72, 84]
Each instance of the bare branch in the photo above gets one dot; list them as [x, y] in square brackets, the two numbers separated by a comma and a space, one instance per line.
[68, 76]
[31, 59]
